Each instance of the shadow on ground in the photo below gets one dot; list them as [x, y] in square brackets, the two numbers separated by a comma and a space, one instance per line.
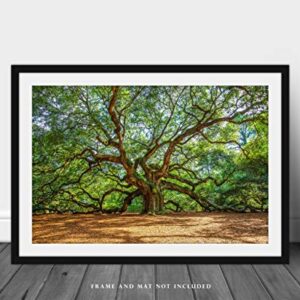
[205, 228]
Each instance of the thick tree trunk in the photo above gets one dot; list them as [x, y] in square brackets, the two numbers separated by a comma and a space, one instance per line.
[153, 200]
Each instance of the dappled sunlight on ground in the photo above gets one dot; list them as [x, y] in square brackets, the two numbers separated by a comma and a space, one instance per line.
[208, 228]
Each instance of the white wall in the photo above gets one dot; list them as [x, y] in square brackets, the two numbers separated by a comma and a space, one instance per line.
[157, 31]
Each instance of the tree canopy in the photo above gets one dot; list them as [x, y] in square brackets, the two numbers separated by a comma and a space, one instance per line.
[150, 148]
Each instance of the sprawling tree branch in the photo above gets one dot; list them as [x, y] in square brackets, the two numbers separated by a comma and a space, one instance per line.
[143, 141]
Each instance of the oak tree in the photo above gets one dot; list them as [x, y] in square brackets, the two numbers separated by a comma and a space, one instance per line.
[150, 148]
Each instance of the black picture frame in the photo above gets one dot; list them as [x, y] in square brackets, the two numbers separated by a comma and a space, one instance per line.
[17, 70]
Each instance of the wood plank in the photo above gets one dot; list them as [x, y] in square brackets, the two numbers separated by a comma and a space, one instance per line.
[100, 274]
[294, 265]
[212, 275]
[63, 282]
[172, 274]
[27, 282]
[2, 246]
[244, 282]
[278, 281]
[7, 269]
[143, 279]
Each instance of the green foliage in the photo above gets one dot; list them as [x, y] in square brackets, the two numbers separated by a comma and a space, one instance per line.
[136, 205]
[83, 162]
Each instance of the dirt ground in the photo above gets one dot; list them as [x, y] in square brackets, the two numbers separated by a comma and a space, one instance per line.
[208, 228]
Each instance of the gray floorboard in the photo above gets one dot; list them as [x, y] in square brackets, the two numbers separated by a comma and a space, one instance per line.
[294, 265]
[75, 281]
[137, 274]
[100, 274]
[7, 270]
[27, 282]
[244, 282]
[173, 274]
[63, 282]
[210, 274]
[278, 281]
[2, 246]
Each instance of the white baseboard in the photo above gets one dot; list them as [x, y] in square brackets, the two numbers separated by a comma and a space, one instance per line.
[295, 230]
[5, 229]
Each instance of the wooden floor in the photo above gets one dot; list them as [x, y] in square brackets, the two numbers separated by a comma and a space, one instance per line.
[65, 282]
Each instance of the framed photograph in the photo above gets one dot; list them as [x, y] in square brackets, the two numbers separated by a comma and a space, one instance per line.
[150, 164]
